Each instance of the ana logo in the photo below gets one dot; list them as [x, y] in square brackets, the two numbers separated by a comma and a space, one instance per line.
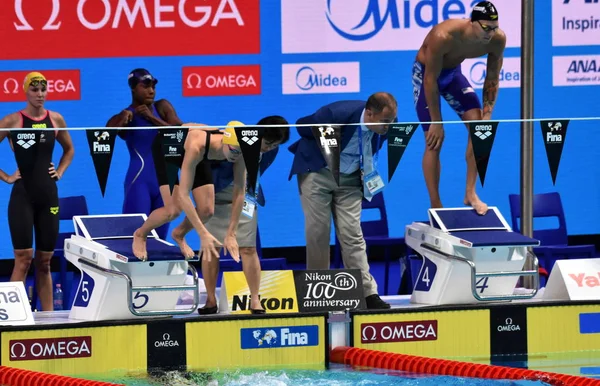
[584, 66]
[53, 348]
[275, 337]
[166, 341]
[250, 136]
[307, 78]
[483, 131]
[399, 331]
[26, 140]
[508, 326]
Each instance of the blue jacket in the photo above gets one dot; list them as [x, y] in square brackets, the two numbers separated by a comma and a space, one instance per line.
[222, 172]
[307, 154]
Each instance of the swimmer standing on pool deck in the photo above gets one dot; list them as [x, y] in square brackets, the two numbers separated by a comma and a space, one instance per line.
[33, 201]
[437, 71]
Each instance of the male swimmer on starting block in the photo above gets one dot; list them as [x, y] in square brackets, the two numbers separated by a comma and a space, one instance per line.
[202, 144]
[437, 71]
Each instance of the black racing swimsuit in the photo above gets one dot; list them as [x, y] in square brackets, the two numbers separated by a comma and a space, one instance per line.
[33, 201]
[203, 175]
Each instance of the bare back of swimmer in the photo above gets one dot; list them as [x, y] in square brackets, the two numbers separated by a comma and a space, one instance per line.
[437, 71]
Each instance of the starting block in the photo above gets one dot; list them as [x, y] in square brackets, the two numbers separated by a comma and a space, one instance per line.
[117, 285]
[469, 258]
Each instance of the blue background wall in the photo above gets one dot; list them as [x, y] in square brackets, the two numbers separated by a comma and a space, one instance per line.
[104, 92]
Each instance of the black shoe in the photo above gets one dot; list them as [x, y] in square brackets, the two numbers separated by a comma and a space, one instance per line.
[257, 311]
[374, 302]
[208, 310]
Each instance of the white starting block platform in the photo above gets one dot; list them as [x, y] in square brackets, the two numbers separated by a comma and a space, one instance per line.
[469, 258]
[117, 285]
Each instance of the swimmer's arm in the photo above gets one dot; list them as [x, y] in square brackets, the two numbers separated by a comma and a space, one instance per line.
[167, 111]
[491, 84]
[8, 122]
[193, 155]
[119, 120]
[239, 190]
[64, 139]
[436, 49]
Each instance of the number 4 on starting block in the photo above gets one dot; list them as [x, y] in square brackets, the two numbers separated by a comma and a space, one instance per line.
[577, 279]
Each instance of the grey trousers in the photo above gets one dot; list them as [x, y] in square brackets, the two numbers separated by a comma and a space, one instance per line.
[321, 198]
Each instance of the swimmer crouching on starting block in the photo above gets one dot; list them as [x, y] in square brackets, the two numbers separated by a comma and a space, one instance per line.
[437, 71]
[202, 145]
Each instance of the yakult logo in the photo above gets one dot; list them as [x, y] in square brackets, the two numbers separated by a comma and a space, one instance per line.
[225, 26]
[391, 332]
[62, 85]
[221, 80]
[53, 348]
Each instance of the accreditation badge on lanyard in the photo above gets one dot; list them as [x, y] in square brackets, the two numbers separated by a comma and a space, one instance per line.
[250, 201]
[372, 181]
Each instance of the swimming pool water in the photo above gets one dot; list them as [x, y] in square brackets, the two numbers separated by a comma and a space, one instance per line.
[336, 376]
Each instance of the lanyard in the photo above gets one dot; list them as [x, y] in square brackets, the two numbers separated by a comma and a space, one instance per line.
[257, 185]
[360, 149]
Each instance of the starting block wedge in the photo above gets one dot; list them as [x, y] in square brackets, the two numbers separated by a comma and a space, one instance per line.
[117, 285]
[468, 258]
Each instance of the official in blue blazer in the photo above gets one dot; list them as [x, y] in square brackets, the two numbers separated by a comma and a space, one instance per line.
[275, 133]
[320, 195]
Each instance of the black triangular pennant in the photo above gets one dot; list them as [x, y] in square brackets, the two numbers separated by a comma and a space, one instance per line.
[250, 140]
[329, 139]
[102, 146]
[482, 138]
[554, 134]
[173, 141]
[399, 136]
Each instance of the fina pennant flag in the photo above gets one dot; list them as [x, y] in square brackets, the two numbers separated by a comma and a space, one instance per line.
[555, 134]
[399, 136]
[329, 139]
[102, 145]
[482, 138]
[250, 140]
[173, 141]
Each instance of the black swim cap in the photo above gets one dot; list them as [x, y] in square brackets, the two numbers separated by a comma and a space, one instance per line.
[484, 10]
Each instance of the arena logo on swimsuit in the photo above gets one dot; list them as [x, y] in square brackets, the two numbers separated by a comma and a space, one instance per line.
[63, 85]
[223, 26]
[377, 25]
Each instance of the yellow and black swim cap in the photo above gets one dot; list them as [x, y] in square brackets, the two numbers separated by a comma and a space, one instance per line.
[229, 135]
[34, 79]
[484, 10]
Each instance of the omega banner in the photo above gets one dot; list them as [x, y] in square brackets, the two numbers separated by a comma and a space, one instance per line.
[482, 137]
[102, 146]
[329, 290]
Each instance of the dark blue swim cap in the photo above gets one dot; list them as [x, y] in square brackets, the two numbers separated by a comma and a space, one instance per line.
[484, 10]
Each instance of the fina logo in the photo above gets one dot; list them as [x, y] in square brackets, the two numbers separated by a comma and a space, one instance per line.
[307, 78]
[478, 73]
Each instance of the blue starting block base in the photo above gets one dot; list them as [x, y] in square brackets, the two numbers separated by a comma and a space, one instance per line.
[117, 285]
[469, 258]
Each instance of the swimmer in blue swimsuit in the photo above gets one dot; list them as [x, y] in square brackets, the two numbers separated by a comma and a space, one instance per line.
[437, 71]
[142, 192]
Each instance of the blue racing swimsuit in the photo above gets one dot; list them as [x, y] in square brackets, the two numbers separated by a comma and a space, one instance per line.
[453, 86]
[142, 194]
